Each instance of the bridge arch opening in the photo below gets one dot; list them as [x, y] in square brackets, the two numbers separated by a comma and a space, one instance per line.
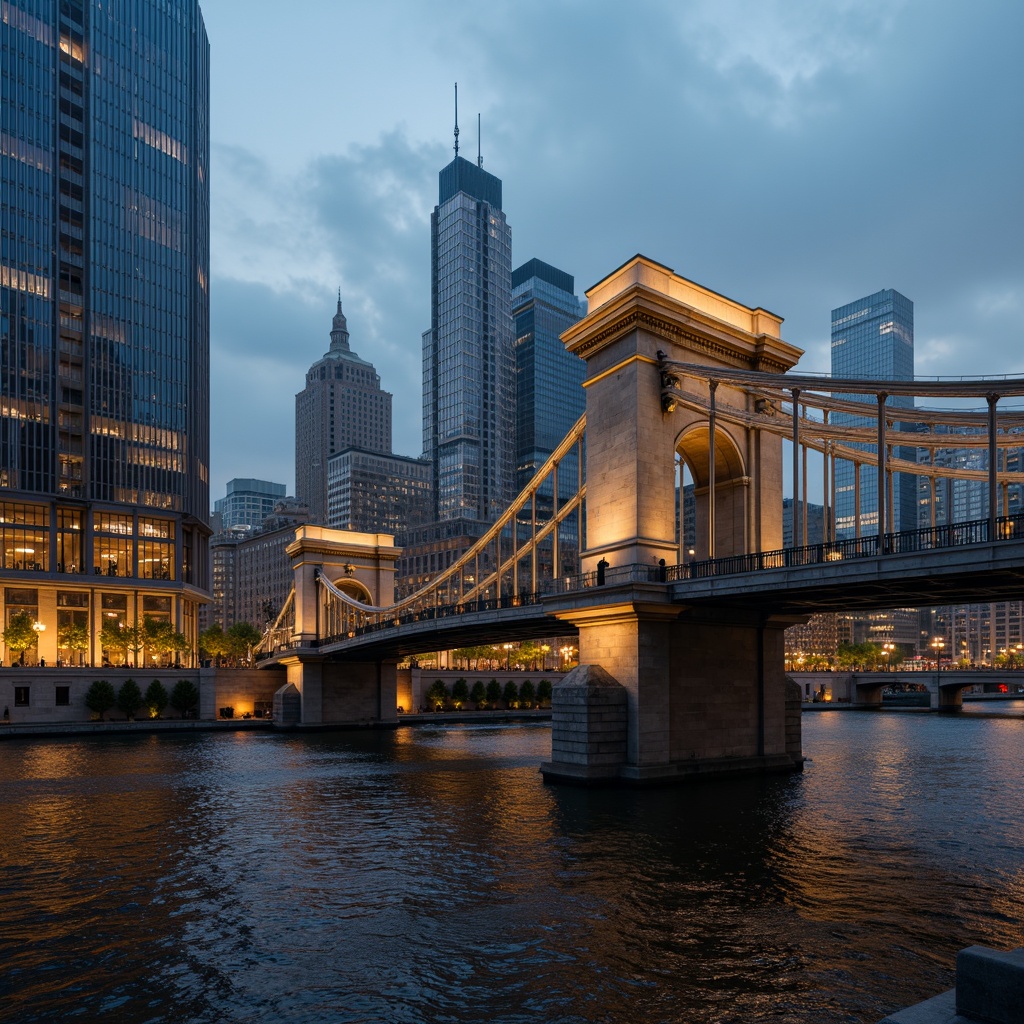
[354, 589]
[693, 473]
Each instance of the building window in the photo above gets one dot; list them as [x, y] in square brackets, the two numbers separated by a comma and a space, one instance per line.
[21, 696]
[63, 698]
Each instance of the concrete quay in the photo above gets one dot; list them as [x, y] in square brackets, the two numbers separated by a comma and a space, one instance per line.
[989, 988]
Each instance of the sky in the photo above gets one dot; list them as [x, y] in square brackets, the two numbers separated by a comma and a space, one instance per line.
[790, 154]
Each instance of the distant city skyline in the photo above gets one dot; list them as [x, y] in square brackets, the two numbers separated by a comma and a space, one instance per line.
[886, 135]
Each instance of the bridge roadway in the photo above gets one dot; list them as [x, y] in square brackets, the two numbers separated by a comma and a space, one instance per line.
[819, 578]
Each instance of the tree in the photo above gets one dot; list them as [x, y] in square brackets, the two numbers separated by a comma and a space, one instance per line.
[73, 636]
[129, 698]
[544, 691]
[156, 698]
[493, 691]
[460, 692]
[184, 696]
[437, 694]
[118, 636]
[100, 698]
[478, 695]
[19, 634]
[527, 693]
[161, 637]
[213, 642]
[241, 637]
[510, 695]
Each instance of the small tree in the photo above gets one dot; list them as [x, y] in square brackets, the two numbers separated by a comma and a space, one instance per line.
[213, 642]
[161, 637]
[240, 639]
[543, 691]
[129, 698]
[156, 698]
[510, 695]
[478, 694]
[118, 636]
[19, 634]
[437, 694]
[184, 696]
[527, 693]
[73, 636]
[100, 698]
[493, 691]
[460, 692]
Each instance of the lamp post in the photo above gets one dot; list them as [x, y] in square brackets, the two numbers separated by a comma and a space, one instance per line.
[544, 649]
[40, 628]
[887, 648]
[508, 655]
[937, 644]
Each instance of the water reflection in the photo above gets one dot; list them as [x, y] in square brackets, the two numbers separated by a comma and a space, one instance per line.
[429, 875]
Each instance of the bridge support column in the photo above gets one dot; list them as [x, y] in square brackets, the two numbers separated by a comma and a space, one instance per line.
[344, 693]
[705, 694]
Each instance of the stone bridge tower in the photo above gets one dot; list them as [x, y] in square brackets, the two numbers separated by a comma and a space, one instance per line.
[701, 690]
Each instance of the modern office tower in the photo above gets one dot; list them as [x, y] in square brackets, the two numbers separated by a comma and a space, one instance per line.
[873, 339]
[371, 492]
[549, 380]
[341, 406]
[468, 356]
[104, 319]
[247, 503]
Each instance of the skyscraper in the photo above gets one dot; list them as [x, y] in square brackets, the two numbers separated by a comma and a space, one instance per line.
[342, 405]
[873, 339]
[104, 318]
[247, 503]
[468, 357]
[549, 380]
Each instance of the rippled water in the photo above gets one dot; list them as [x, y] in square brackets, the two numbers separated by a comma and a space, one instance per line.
[429, 875]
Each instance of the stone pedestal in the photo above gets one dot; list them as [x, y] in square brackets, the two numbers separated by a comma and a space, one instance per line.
[588, 727]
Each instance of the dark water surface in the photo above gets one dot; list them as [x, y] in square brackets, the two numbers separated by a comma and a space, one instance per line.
[429, 875]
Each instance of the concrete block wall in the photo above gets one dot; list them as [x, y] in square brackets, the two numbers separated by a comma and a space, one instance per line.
[588, 723]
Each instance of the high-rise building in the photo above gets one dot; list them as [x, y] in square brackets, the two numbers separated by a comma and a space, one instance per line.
[873, 339]
[468, 356]
[341, 406]
[247, 503]
[549, 380]
[104, 319]
[371, 492]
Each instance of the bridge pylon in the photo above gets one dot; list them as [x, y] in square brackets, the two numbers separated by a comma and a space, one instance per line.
[705, 689]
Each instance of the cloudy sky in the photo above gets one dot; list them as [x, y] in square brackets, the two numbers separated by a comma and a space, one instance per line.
[793, 154]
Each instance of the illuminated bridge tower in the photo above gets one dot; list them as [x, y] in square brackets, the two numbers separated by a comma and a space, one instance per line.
[699, 690]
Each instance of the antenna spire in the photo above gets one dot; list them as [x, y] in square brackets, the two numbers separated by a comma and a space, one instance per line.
[456, 118]
[479, 158]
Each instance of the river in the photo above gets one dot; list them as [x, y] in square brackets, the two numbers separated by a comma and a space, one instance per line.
[428, 875]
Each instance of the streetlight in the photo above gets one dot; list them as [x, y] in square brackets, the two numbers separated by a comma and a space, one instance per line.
[508, 655]
[544, 649]
[887, 648]
[40, 628]
[937, 644]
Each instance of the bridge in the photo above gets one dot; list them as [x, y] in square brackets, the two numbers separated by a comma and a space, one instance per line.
[681, 658]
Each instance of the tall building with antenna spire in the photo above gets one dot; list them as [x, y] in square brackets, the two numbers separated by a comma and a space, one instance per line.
[468, 352]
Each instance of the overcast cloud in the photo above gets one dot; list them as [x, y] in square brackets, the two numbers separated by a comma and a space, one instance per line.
[794, 155]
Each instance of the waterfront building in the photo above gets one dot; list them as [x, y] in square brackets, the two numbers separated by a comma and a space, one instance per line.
[341, 406]
[247, 503]
[373, 492]
[104, 321]
[252, 574]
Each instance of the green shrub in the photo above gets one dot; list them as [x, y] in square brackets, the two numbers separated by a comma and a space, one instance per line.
[184, 696]
[478, 694]
[156, 698]
[493, 691]
[544, 691]
[100, 698]
[510, 695]
[129, 698]
[527, 694]
[437, 694]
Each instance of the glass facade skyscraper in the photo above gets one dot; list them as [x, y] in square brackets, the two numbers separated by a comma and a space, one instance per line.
[468, 356]
[104, 316]
[873, 339]
[247, 503]
[549, 380]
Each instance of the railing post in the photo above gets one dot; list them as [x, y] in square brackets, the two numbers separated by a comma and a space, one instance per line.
[993, 460]
[881, 502]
